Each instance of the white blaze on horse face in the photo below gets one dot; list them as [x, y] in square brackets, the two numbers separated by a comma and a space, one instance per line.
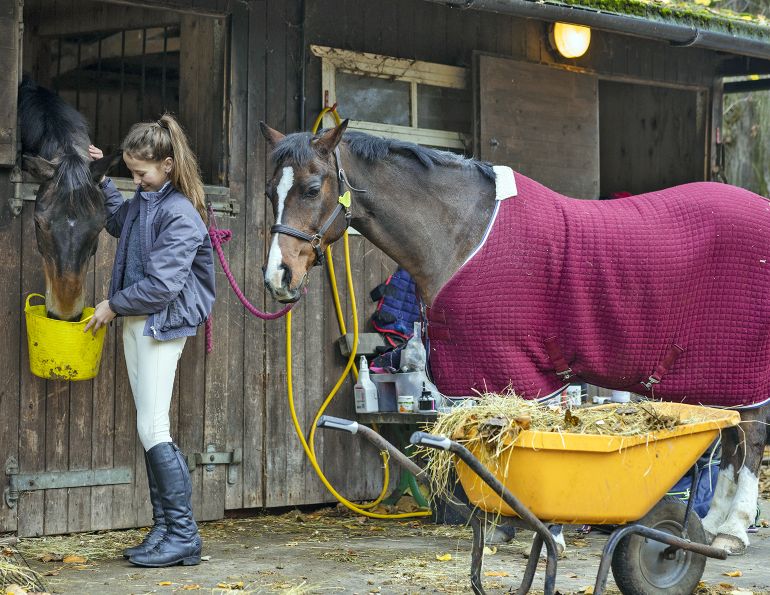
[274, 272]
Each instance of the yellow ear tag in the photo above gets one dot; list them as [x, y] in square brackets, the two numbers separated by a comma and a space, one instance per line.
[344, 200]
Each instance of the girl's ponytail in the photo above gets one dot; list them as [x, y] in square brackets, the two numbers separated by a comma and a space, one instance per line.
[185, 175]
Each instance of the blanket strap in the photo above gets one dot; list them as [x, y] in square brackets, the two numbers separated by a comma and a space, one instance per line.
[560, 365]
[674, 351]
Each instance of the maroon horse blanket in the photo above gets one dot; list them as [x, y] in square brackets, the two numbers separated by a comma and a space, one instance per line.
[666, 294]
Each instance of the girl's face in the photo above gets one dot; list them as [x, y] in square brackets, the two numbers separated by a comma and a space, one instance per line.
[150, 175]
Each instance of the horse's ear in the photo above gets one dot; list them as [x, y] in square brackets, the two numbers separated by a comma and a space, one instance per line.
[40, 168]
[273, 137]
[328, 141]
[100, 167]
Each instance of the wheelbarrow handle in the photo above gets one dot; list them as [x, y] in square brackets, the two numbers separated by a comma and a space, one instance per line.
[327, 422]
[431, 440]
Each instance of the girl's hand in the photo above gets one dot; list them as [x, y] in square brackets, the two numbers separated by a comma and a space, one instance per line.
[102, 315]
[95, 152]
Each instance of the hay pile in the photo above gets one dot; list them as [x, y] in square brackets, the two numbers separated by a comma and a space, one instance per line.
[496, 421]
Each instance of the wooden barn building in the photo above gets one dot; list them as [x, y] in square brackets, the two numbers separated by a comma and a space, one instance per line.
[640, 110]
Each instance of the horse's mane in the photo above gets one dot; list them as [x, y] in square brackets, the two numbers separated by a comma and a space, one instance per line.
[50, 127]
[297, 147]
[54, 130]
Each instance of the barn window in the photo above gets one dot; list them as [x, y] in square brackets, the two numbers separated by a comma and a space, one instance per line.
[159, 61]
[421, 102]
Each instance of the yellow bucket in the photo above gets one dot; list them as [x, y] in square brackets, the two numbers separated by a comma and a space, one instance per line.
[582, 478]
[60, 350]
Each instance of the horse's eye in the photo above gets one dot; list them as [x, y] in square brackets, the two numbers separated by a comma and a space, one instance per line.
[312, 192]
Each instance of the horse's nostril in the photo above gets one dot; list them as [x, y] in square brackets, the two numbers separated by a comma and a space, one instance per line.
[286, 275]
[264, 270]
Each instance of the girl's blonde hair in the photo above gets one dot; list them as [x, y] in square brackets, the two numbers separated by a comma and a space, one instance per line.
[154, 141]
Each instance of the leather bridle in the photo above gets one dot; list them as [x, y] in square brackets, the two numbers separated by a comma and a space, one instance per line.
[316, 238]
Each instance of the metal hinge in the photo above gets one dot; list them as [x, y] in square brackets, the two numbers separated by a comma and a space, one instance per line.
[30, 482]
[214, 457]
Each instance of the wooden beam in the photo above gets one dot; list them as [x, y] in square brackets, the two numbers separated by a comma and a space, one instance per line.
[89, 17]
[211, 8]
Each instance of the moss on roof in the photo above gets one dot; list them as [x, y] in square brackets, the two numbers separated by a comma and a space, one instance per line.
[703, 14]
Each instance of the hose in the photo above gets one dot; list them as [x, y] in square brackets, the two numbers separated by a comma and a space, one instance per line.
[308, 444]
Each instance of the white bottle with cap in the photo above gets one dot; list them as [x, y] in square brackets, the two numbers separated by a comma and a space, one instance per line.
[365, 391]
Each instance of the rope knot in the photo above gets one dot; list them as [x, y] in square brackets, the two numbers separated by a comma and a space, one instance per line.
[220, 236]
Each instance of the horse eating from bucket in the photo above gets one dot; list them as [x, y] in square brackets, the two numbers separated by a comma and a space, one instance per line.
[69, 208]
[665, 293]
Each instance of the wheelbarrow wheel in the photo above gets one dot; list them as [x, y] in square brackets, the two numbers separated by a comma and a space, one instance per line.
[639, 566]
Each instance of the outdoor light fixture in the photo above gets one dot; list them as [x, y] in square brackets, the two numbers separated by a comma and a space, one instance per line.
[571, 41]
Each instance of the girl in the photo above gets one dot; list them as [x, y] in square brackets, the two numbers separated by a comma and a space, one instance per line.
[163, 286]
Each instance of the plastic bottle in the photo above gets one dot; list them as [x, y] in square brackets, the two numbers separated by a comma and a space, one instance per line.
[413, 356]
[365, 391]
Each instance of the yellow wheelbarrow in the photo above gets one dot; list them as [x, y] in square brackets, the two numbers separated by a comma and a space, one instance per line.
[657, 543]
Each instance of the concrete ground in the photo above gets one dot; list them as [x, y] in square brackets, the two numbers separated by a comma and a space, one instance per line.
[329, 551]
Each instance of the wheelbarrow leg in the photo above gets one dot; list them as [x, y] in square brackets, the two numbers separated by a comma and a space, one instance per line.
[477, 554]
[477, 523]
[529, 571]
[522, 511]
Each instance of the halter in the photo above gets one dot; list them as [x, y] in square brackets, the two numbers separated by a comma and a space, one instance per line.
[343, 204]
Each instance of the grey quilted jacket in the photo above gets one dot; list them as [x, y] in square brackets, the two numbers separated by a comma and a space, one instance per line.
[177, 292]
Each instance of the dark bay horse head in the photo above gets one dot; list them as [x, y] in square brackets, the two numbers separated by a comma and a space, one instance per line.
[69, 208]
[69, 215]
[304, 192]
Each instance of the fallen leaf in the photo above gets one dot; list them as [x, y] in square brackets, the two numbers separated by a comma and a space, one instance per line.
[231, 586]
[205, 558]
[443, 557]
[51, 557]
[194, 587]
[74, 560]
[587, 590]
[165, 583]
[733, 573]
[14, 590]
[490, 550]
[727, 586]
[572, 575]
[496, 573]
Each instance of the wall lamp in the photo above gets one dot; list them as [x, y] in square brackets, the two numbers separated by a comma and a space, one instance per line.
[571, 41]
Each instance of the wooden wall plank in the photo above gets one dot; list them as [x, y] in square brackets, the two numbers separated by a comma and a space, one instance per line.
[9, 78]
[248, 170]
[15, 339]
[103, 406]
[32, 421]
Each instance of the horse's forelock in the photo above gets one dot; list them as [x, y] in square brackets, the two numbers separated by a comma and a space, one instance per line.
[295, 148]
[73, 183]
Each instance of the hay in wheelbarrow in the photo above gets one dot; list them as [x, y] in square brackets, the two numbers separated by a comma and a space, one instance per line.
[566, 452]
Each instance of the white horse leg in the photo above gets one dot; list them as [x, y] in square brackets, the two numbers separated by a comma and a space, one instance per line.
[732, 535]
[722, 501]
[558, 535]
[745, 454]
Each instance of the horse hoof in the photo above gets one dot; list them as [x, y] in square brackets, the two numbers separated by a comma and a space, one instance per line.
[499, 535]
[732, 544]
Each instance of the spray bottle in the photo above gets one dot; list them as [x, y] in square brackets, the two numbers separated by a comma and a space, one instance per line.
[365, 391]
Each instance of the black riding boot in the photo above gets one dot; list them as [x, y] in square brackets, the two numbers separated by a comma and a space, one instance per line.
[158, 520]
[182, 542]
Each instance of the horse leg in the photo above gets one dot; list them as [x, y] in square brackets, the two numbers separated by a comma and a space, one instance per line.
[732, 535]
[722, 501]
[561, 545]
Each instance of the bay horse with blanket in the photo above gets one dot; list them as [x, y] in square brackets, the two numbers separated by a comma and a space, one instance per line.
[666, 294]
[69, 208]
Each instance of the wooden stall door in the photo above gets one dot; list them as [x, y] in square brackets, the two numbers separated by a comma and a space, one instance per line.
[540, 121]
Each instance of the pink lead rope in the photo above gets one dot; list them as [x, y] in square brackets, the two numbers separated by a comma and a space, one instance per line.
[219, 237]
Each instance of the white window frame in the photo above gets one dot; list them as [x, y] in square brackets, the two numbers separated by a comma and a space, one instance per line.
[415, 72]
